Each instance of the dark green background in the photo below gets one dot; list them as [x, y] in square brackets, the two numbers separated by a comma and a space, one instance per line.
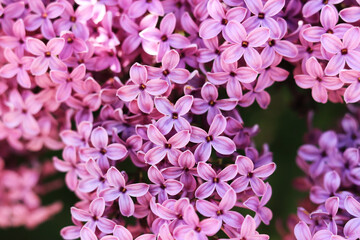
[282, 125]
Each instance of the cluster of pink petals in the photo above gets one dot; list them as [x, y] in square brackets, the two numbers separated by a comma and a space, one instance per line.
[21, 190]
[143, 96]
[331, 164]
[329, 51]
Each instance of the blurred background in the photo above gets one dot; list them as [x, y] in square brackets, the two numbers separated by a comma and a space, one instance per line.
[282, 126]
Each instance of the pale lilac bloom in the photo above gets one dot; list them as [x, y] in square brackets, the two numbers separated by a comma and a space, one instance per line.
[46, 55]
[278, 47]
[350, 14]
[17, 67]
[42, 17]
[142, 88]
[77, 138]
[233, 76]
[186, 171]
[219, 19]
[72, 45]
[122, 191]
[169, 70]
[165, 36]
[264, 15]
[319, 155]
[262, 213]
[243, 43]
[97, 8]
[16, 40]
[102, 151]
[352, 92]
[139, 7]
[221, 144]
[352, 227]
[71, 165]
[317, 81]
[255, 93]
[76, 20]
[302, 231]
[270, 73]
[344, 51]
[250, 174]
[104, 34]
[329, 214]
[214, 181]
[22, 111]
[192, 28]
[106, 58]
[173, 114]
[329, 18]
[47, 137]
[163, 147]
[248, 230]
[94, 216]
[223, 210]
[210, 104]
[173, 210]
[306, 49]
[67, 82]
[94, 179]
[121, 233]
[188, 56]
[313, 6]
[194, 229]
[326, 234]
[161, 187]
[11, 11]
[133, 39]
[331, 184]
[211, 52]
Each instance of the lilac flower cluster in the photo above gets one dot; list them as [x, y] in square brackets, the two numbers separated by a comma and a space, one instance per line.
[331, 164]
[142, 97]
[329, 51]
[21, 190]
